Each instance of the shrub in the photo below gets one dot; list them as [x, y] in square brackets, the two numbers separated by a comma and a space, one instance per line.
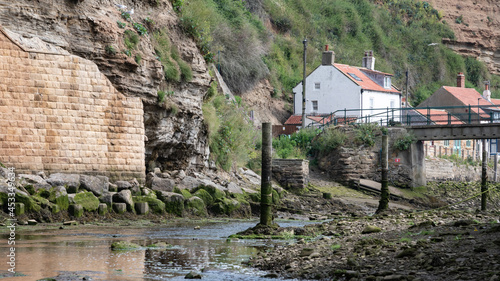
[138, 58]
[404, 142]
[366, 132]
[329, 140]
[121, 24]
[130, 39]
[140, 29]
[110, 50]
[185, 71]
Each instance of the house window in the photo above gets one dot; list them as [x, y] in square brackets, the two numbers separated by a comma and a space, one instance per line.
[387, 82]
[315, 105]
[468, 143]
[446, 143]
[317, 86]
[354, 76]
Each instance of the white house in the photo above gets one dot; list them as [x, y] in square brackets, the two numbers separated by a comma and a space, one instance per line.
[332, 87]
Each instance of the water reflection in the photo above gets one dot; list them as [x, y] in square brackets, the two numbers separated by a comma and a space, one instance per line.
[85, 251]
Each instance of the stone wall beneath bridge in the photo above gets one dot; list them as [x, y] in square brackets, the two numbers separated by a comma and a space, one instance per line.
[59, 113]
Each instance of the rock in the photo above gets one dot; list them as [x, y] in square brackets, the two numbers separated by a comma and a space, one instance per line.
[95, 184]
[162, 184]
[122, 185]
[32, 222]
[20, 209]
[371, 229]
[157, 171]
[327, 195]
[87, 200]
[124, 196]
[107, 198]
[197, 227]
[35, 180]
[75, 210]
[136, 190]
[142, 208]
[154, 204]
[409, 252]
[196, 206]
[305, 252]
[61, 198]
[250, 175]
[160, 245]
[233, 188]
[124, 245]
[271, 275]
[205, 196]
[70, 223]
[102, 209]
[70, 181]
[174, 202]
[119, 208]
[189, 183]
[113, 187]
[192, 275]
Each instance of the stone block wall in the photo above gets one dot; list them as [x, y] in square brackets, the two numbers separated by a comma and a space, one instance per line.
[291, 173]
[59, 113]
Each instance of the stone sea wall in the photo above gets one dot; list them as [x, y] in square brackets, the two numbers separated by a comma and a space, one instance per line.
[59, 113]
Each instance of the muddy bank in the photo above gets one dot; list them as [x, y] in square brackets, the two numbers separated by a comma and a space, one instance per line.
[443, 245]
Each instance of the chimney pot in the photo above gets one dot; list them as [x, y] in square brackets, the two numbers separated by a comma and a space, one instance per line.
[326, 47]
[461, 80]
[487, 92]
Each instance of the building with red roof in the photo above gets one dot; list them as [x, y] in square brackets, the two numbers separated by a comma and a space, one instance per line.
[333, 87]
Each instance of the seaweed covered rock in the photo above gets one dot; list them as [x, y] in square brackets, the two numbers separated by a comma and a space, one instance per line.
[174, 202]
[124, 196]
[124, 246]
[87, 200]
[155, 205]
[205, 196]
[196, 206]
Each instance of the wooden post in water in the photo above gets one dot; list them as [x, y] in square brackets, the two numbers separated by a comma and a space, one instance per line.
[384, 191]
[266, 216]
[484, 178]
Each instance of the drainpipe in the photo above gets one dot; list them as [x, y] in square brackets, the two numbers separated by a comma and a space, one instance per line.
[304, 88]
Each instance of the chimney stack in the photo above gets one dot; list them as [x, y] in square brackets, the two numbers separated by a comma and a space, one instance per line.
[487, 92]
[328, 57]
[461, 80]
[368, 60]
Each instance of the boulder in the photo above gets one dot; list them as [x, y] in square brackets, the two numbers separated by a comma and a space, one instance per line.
[124, 245]
[113, 187]
[19, 209]
[87, 200]
[122, 185]
[119, 208]
[154, 204]
[71, 181]
[75, 210]
[107, 198]
[196, 206]
[233, 188]
[174, 202]
[124, 196]
[102, 209]
[141, 208]
[59, 196]
[36, 181]
[250, 176]
[205, 196]
[162, 184]
[32, 222]
[189, 183]
[95, 184]
[371, 229]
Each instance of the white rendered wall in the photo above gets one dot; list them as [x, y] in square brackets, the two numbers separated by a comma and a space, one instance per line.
[381, 101]
[336, 92]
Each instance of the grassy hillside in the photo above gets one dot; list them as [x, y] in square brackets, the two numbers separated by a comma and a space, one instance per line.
[257, 39]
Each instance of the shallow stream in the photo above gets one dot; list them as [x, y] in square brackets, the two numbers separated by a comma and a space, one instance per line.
[84, 251]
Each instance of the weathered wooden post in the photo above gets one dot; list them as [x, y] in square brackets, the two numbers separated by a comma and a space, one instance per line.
[266, 216]
[484, 178]
[384, 191]
[495, 165]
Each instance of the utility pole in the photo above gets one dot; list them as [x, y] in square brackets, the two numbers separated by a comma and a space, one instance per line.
[484, 178]
[266, 199]
[384, 191]
[304, 87]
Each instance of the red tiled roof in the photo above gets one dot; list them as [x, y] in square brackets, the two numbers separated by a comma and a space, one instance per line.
[366, 83]
[495, 101]
[294, 120]
[320, 119]
[468, 96]
[439, 116]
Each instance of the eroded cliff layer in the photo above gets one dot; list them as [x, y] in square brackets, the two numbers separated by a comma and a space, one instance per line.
[477, 28]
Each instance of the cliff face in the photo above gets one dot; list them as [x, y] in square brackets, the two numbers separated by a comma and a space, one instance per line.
[477, 28]
[175, 139]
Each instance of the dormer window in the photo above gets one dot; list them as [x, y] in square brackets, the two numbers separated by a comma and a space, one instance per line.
[387, 82]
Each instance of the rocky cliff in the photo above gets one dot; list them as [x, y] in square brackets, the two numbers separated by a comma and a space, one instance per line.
[476, 26]
[91, 29]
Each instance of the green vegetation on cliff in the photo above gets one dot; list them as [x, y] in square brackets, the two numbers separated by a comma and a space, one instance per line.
[263, 39]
